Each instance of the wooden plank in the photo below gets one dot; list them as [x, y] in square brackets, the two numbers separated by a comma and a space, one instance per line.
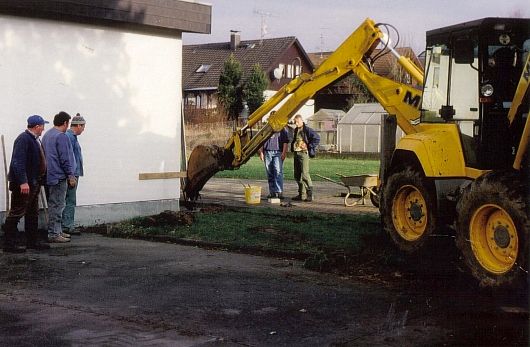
[161, 175]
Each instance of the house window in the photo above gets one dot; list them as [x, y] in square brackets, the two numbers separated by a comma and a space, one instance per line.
[282, 69]
[203, 68]
[289, 71]
[190, 100]
[297, 70]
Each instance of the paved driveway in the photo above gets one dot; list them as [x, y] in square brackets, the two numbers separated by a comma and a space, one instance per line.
[114, 292]
[327, 196]
[103, 291]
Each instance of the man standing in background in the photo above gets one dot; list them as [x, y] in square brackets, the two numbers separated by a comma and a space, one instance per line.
[304, 146]
[61, 174]
[273, 153]
[77, 126]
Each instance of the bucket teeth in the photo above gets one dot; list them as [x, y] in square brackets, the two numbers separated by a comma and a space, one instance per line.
[204, 162]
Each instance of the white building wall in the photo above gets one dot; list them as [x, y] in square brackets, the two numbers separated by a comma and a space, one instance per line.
[126, 85]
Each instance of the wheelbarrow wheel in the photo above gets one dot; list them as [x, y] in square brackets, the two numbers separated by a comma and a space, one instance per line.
[375, 198]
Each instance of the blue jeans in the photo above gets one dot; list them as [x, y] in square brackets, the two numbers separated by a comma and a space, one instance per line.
[69, 208]
[274, 167]
[56, 202]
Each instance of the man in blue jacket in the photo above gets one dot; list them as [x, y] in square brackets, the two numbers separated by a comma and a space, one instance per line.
[77, 126]
[27, 172]
[61, 174]
[304, 146]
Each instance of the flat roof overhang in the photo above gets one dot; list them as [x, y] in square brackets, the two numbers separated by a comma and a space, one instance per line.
[167, 17]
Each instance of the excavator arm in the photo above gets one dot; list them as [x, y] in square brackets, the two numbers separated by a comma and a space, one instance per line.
[351, 57]
[523, 88]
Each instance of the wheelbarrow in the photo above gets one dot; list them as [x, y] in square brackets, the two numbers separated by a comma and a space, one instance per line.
[367, 184]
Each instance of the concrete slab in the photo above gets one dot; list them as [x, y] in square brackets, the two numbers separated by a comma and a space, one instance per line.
[327, 196]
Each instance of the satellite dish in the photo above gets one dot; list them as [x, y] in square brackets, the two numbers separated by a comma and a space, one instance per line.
[277, 73]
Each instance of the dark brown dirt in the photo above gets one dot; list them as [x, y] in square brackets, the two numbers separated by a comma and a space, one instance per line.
[167, 218]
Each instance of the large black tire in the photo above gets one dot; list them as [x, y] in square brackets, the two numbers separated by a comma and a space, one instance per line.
[492, 228]
[408, 209]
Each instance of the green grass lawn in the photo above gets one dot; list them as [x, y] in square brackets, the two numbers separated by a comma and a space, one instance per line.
[315, 236]
[328, 167]
[265, 229]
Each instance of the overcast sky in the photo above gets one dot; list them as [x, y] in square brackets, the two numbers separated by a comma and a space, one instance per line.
[324, 24]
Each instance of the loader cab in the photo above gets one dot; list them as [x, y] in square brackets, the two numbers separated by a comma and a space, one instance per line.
[471, 74]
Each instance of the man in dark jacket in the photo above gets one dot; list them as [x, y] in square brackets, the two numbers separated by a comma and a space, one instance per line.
[304, 146]
[27, 172]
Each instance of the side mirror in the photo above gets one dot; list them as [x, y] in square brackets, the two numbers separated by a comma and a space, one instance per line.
[463, 51]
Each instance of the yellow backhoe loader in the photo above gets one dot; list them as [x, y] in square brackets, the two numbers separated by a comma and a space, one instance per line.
[462, 159]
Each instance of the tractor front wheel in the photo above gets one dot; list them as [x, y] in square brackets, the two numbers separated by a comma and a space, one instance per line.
[408, 209]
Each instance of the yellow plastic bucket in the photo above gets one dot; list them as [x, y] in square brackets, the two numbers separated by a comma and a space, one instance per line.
[253, 195]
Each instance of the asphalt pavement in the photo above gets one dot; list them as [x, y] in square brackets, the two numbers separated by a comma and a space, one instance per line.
[99, 291]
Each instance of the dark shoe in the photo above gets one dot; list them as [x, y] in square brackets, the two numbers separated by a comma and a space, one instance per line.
[38, 245]
[10, 237]
[280, 196]
[309, 196]
[71, 231]
[14, 249]
[297, 198]
[271, 196]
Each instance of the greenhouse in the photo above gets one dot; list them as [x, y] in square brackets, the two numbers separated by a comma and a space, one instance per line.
[359, 131]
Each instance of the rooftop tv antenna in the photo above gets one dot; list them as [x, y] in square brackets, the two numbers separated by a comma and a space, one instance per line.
[263, 28]
[322, 44]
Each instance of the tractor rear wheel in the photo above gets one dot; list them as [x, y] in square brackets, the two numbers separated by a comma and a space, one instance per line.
[492, 228]
[408, 209]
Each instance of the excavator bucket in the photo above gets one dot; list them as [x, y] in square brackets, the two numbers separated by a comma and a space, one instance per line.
[204, 162]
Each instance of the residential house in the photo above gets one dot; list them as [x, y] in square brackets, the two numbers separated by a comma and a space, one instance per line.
[324, 122]
[119, 64]
[282, 59]
[344, 93]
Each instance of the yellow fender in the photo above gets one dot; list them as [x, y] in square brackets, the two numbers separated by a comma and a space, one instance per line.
[438, 150]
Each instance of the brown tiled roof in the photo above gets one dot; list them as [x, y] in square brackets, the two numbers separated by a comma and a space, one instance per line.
[265, 52]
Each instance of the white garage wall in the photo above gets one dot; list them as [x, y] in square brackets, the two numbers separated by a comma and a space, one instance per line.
[126, 85]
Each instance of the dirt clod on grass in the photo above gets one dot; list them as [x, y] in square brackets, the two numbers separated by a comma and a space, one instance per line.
[166, 218]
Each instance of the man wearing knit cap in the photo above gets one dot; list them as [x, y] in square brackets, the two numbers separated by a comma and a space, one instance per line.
[77, 126]
[61, 174]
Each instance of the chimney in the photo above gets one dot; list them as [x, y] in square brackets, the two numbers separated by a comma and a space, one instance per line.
[235, 39]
